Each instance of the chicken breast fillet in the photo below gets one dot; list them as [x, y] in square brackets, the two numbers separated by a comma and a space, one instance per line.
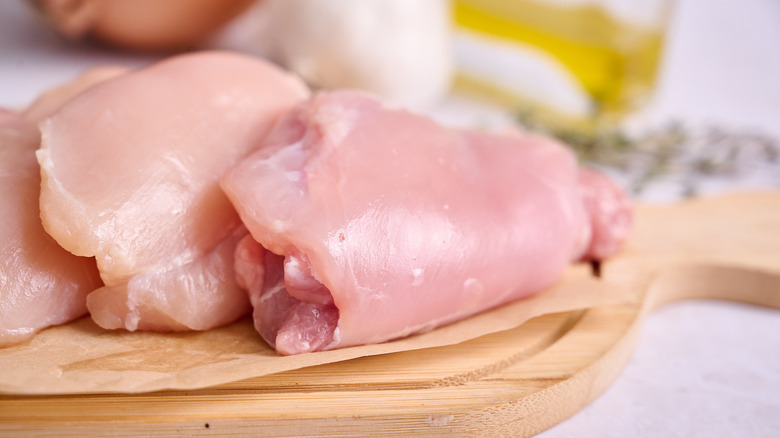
[41, 284]
[370, 223]
[130, 175]
[50, 101]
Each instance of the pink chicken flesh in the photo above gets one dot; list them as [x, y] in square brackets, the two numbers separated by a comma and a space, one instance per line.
[130, 175]
[41, 284]
[369, 223]
[49, 102]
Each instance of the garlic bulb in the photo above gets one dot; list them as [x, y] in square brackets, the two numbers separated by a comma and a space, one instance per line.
[398, 49]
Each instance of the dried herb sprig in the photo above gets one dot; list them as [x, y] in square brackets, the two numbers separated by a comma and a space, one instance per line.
[672, 150]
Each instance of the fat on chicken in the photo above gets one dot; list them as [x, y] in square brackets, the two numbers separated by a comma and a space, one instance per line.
[130, 171]
[41, 284]
[370, 223]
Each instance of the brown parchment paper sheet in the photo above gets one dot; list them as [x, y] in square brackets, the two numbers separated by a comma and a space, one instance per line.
[80, 357]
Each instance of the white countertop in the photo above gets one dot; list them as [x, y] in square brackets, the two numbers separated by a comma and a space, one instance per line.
[701, 369]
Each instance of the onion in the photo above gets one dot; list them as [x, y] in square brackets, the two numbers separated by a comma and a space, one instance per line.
[140, 25]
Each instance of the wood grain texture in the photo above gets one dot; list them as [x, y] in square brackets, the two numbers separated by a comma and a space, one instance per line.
[513, 383]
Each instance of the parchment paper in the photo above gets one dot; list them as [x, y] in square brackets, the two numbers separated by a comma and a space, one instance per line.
[80, 357]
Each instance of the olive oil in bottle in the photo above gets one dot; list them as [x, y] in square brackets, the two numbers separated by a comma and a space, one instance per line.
[613, 58]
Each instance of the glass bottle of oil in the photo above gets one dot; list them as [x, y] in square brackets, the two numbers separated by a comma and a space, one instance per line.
[611, 48]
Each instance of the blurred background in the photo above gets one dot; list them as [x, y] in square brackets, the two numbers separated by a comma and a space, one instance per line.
[675, 98]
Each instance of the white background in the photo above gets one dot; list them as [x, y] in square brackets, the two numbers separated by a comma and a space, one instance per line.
[701, 369]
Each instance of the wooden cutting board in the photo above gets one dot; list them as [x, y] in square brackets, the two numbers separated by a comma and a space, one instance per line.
[513, 383]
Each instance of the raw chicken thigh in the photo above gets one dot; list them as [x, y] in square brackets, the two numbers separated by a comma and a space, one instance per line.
[370, 223]
[130, 175]
[41, 284]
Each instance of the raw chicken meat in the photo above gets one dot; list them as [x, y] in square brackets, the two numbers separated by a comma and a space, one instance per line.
[41, 284]
[370, 223]
[130, 175]
[609, 211]
[52, 100]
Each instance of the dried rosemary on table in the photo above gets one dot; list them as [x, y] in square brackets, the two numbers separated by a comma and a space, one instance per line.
[687, 156]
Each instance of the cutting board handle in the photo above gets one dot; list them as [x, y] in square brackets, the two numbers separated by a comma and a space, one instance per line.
[745, 285]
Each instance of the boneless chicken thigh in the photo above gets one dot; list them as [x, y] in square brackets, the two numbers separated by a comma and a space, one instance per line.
[370, 223]
[130, 173]
[41, 284]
